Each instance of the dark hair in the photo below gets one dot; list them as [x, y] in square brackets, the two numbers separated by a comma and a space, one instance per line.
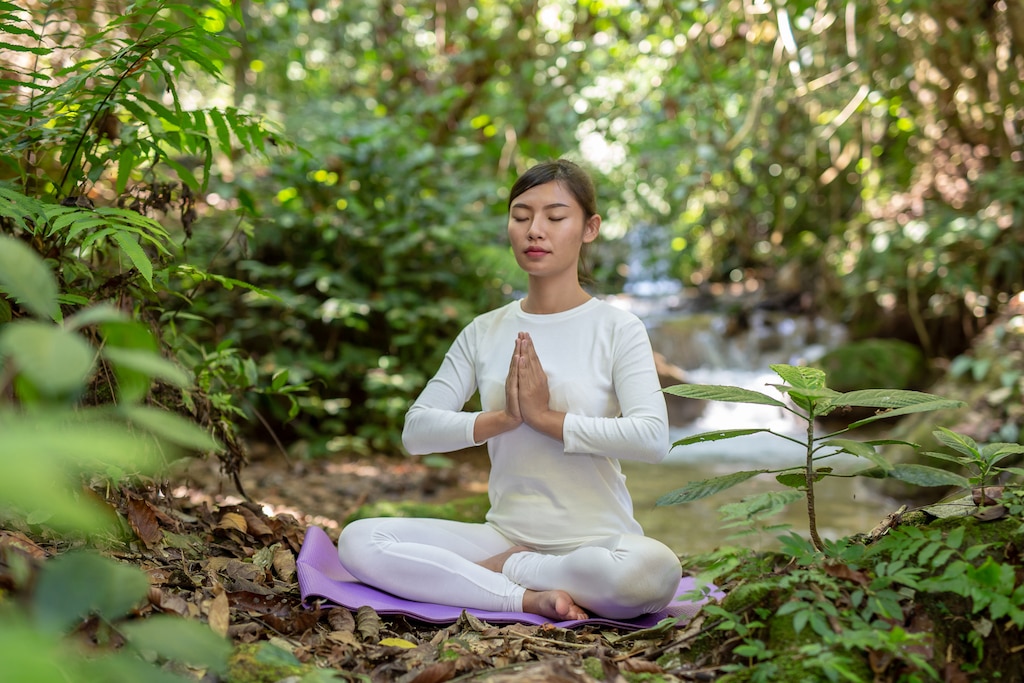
[570, 175]
[573, 178]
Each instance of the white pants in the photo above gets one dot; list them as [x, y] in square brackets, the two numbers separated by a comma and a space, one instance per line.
[435, 560]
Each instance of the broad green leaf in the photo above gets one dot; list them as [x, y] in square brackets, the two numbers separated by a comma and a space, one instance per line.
[29, 654]
[798, 480]
[884, 398]
[821, 393]
[955, 459]
[697, 490]
[872, 473]
[279, 379]
[53, 360]
[961, 443]
[710, 392]
[922, 475]
[77, 584]
[992, 453]
[149, 363]
[37, 481]
[800, 377]
[942, 404]
[716, 436]
[100, 313]
[180, 640]
[171, 427]
[24, 275]
[136, 254]
[861, 450]
[125, 165]
[133, 384]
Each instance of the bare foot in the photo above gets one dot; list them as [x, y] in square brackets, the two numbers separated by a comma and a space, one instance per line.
[557, 605]
[496, 562]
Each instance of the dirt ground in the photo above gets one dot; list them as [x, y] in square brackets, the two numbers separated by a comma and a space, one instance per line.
[325, 492]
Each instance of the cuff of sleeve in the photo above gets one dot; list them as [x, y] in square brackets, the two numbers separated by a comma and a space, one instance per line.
[471, 427]
[570, 439]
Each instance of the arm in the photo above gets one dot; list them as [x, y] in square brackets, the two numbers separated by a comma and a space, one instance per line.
[436, 422]
[641, 432]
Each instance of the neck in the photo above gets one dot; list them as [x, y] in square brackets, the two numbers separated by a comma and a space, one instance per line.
[546, 300]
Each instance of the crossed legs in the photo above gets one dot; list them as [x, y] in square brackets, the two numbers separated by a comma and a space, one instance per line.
[475, 566]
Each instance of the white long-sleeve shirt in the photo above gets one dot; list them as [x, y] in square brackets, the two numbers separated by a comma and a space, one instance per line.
[545, 493]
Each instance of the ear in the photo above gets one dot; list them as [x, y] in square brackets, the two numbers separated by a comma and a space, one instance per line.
[591, 229]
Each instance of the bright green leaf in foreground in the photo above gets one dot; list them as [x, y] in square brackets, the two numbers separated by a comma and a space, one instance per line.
[24, 275]
[74, 585]
[172, 428]
[52, 359]
[179, 640]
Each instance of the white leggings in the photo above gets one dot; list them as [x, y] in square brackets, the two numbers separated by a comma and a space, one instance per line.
[435, 560]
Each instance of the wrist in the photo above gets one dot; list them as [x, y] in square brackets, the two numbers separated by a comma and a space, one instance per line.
[549, 422]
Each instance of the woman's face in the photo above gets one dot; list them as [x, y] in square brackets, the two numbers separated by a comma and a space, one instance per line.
[547, 228]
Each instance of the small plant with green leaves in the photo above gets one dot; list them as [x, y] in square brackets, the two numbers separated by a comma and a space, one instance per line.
[981, 461]
[810, 399]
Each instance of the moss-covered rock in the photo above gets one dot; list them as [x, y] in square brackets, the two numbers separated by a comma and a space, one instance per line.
[875, 364]
[264, 662]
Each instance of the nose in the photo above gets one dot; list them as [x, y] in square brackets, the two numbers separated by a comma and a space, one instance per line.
[534, 232]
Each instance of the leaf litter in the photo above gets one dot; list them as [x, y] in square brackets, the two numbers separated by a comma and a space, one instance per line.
[230, 563]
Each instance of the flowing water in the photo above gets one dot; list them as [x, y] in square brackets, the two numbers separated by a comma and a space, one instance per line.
[710, 350]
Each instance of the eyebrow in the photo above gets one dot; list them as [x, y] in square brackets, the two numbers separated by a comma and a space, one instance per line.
[556, 205]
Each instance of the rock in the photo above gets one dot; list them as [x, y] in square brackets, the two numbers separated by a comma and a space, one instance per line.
[681, 411]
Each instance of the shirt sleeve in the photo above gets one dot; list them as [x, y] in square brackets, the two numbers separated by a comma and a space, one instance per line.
[436, 422]
[641, 431]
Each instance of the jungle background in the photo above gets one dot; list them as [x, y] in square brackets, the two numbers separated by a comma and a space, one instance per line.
[239, 236]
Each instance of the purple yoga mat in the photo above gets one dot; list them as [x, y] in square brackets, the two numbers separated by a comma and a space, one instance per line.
[321, 575]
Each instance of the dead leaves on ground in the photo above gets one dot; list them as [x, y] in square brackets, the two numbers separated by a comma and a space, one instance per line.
[233, 567]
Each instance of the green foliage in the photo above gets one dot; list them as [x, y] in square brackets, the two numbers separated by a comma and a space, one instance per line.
[812, 399]
[51, 445]
[381, 249]
[982, 461]
[81, 586]
[917, 602]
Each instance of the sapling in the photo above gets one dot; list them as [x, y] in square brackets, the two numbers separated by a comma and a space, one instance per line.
[810, 399]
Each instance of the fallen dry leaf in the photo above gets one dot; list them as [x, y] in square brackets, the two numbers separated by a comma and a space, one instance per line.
[341, 619]
[438, 672]
[368, 624]
[219, 615]
[144, 522]
[284, 564]
[232, 521]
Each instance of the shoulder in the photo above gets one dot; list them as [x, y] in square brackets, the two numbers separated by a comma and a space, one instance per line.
[616, 316]
[486, 321]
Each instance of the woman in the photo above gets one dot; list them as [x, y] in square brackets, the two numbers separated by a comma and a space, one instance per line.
[568, 388]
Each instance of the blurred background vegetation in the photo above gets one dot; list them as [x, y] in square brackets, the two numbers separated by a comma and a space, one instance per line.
[300, 203]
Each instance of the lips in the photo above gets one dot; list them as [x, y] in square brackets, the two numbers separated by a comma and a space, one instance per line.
[535, 251]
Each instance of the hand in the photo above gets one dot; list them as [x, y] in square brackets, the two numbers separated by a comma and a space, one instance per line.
[512, 409]
[532, 383]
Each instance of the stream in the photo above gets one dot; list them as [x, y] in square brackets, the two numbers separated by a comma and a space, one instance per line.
[710, 348]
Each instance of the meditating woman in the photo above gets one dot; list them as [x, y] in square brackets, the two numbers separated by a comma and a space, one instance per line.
[568, 388]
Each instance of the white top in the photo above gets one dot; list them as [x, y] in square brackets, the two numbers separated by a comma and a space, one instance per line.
[545, 493]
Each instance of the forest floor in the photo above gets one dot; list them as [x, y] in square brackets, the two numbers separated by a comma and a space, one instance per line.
[215, 556]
